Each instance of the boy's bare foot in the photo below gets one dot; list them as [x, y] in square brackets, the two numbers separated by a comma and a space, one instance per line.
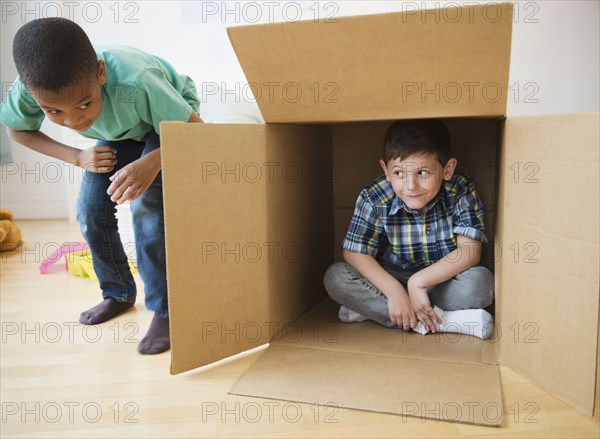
[157, 339]
[105, 310]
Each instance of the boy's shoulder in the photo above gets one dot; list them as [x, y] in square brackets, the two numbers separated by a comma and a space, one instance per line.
[126, 64]
[459, 192]
[379, 192]
[458, 185]
[120, 51]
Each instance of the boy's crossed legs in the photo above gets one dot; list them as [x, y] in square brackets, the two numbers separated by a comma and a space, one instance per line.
[462, 297]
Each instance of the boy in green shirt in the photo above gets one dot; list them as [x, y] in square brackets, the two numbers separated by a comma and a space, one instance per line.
[118, 95]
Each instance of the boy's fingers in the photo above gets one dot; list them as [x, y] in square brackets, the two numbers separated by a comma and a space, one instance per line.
[117, 189]
[118, 192]
[120, 176]
[114, 185]
[106, 162]
[105, 148]
[423, 317]
[124, 173]
[126, 195]
[105, 155]
[434, 317]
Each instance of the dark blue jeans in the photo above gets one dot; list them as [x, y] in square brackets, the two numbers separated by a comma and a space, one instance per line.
[96, 216]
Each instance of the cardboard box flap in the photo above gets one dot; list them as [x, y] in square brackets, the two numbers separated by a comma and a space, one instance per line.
[455, 392]
[548, 297]
[365, 366]
[447, 62]
[249, 260]
[217, 288]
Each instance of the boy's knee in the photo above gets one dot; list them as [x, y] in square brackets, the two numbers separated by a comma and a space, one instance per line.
[334, 279]
[482, 281]
[88, 213]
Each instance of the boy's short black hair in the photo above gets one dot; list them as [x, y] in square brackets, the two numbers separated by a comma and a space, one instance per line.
[407, 137]
[52, 53]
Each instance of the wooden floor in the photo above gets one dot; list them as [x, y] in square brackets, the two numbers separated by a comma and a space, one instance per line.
[61, 379]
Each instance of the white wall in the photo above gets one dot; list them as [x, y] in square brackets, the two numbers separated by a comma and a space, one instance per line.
[33, 185]
[554, 65]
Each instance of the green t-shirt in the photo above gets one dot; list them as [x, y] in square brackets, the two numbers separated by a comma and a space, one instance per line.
[141, 91]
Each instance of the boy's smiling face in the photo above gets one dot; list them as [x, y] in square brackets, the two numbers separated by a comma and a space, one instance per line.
[76, 106]
[417, 179]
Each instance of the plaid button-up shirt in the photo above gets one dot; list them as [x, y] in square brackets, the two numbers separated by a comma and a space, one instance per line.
[384, 227]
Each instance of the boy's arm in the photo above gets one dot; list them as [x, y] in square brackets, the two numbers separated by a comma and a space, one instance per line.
[466, 255]
[99, 159]
[399, 306]
[133, 180]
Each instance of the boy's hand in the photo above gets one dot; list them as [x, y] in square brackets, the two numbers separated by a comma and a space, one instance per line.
[132, 181]
[99, 159]
[422, 306]
[401, 311]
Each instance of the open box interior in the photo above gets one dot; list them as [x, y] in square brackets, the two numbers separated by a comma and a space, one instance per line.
[254, 215]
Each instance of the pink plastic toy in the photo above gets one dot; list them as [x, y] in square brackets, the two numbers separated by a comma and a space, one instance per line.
[65, 249]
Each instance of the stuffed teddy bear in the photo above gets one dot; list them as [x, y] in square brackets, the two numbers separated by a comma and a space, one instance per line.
[10, 235]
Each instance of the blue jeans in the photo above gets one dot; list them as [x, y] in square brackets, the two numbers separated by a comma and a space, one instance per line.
[96, 216]
[471, 289]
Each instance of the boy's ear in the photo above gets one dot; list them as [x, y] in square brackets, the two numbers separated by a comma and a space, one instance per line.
[102, 72]
[448, 170]
[384, 167]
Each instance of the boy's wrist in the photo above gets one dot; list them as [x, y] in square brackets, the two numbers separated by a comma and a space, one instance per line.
[75, 157]
[399, 290]
[153, 160]
[416, 281]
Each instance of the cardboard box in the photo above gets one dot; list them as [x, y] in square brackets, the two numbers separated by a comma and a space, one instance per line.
[250, 213]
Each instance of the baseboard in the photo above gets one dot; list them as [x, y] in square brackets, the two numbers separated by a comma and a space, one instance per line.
[37, 208]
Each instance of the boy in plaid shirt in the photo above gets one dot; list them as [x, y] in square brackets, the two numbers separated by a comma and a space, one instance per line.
[415, 241]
